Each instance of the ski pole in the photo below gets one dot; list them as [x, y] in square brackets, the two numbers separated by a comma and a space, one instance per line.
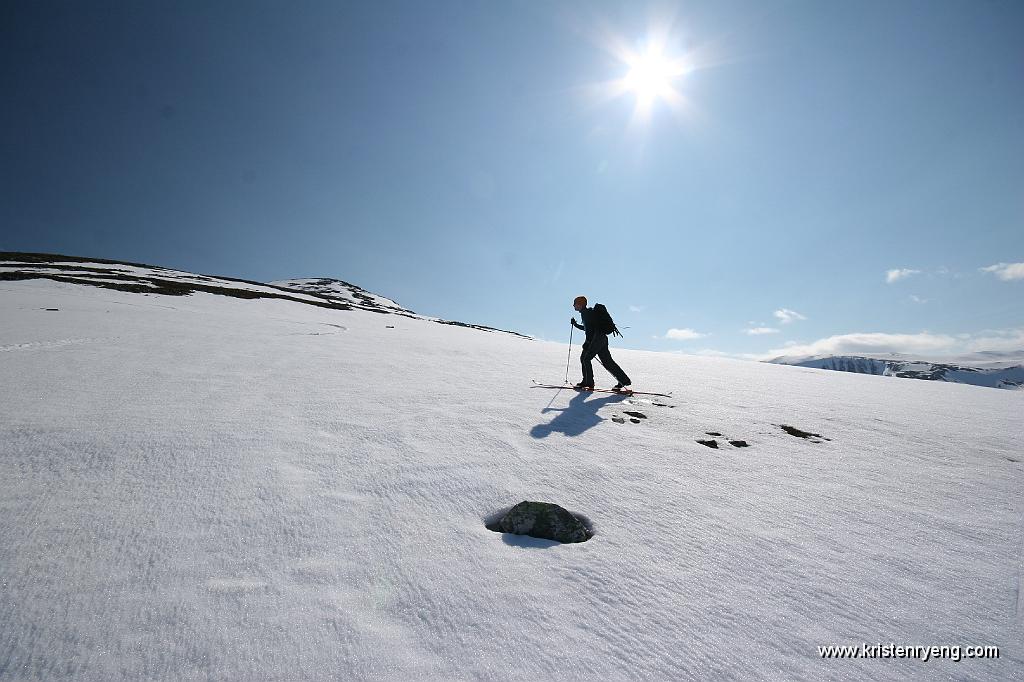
[568, 357]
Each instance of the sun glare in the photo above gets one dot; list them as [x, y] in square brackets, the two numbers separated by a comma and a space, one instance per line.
[651, 76]
[652, 72]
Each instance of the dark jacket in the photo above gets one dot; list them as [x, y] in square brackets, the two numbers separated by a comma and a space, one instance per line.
[589, 324]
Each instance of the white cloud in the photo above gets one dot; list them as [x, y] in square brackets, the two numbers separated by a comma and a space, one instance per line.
[715, 353]
[683, 334]
[756, 331]
[636, 308]
[918, 299]
[924, 343]
[786, 315]
[1006, 271]
[997, 340]
[898, 274]
[922, 346]
[712, 353]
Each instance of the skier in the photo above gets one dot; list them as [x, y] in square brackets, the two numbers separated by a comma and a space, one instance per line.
[596, 344]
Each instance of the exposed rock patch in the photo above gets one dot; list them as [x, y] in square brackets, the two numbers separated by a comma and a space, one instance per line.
[799, 433]
[543, 520]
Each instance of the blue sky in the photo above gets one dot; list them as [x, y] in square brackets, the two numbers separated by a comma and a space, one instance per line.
[471, 160]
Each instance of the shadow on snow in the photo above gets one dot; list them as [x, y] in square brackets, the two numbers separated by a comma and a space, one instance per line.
[577, 417]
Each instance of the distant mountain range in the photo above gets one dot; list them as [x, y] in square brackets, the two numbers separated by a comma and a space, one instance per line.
[992, 369]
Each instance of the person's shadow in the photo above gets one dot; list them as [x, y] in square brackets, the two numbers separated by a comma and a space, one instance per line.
[577, 417]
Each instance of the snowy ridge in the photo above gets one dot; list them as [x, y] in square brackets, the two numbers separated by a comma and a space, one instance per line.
[133, 277]
[991, 370]
[198, 487]
[336, 289]
[137, 278]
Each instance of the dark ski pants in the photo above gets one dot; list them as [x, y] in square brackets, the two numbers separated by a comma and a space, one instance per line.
[598, 347]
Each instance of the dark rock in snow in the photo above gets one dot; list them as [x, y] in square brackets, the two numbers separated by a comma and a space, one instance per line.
[542, 520]
[800, 433]
[710, 443]
[739, 443]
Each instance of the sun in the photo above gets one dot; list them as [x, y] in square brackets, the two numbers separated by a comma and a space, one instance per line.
[651, 71]
[652, 76]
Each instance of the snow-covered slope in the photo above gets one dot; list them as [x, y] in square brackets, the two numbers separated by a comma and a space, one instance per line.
[204, 486]
[981, 371]
[147, 279]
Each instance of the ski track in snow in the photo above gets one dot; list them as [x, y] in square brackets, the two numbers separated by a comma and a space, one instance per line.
[47, 345]
[201, 493]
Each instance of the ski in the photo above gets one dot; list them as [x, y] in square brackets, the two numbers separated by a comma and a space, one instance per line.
[537, 384]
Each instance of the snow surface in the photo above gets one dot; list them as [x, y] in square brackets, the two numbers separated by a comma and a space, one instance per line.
[203, 487]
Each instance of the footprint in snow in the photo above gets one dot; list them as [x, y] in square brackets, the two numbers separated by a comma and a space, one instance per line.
[640, 401]
[713, 443]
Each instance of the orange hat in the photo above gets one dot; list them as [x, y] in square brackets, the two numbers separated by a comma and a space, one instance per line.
[580, 299]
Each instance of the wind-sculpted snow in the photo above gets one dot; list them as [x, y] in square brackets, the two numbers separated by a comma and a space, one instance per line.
[205, 487]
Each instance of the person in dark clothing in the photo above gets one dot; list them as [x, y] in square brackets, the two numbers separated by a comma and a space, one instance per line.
[595, 345]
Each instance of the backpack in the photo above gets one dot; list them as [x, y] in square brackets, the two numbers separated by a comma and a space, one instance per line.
[605, 323]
